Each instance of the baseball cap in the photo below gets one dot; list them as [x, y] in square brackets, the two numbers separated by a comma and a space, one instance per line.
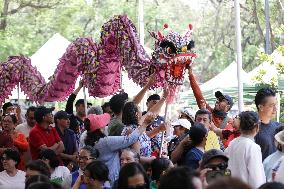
[210, 154]
[61, 115]
[279, 137]
[219, 94]
[189, 112]
[80, 101]
[98, 121]
[182, 122]
[42, 111]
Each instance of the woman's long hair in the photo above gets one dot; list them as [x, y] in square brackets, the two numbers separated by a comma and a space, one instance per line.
[130, 114]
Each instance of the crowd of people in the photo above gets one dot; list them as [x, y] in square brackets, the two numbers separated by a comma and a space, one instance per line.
[118, 146]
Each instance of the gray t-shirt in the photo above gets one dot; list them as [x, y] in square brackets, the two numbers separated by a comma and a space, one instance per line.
[115, 126]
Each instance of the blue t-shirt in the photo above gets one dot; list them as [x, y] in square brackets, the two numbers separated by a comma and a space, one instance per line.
[70, 143]
[265, 138]
[192, 158]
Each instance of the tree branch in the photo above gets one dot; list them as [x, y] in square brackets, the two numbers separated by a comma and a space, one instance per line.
[86, 25]
[257, 21]
[271, 38]
[243, 7]
[4, 14]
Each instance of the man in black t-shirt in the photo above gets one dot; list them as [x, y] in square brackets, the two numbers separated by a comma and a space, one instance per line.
[266, 104]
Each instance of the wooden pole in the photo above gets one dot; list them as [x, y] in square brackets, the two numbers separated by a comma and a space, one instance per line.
[163, 133]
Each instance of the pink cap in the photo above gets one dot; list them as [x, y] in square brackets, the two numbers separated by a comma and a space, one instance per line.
[98, 121]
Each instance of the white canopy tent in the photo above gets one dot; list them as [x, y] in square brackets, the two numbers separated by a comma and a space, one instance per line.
[269, 68]
[225, 79]
[46, 58]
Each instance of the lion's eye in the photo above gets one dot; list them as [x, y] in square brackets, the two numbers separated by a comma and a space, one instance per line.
[169, 50]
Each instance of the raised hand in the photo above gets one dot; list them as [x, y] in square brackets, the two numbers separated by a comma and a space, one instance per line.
[151, 80]
[148, 118]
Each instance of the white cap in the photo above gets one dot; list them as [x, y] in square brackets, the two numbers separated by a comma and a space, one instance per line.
[182, 122]
[279, 137]
[189, 112]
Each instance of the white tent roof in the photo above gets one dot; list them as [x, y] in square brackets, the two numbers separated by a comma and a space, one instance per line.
[46, 59]
[270, 69]
[226, 79]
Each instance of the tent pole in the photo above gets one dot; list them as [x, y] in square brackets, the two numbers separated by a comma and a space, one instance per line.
[239, 55]
[85, 100]
[267, 28]
[141, 38]
[278, 105]
[18, 91]
[163, 133]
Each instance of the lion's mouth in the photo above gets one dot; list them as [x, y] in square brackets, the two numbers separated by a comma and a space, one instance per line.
[175, 68]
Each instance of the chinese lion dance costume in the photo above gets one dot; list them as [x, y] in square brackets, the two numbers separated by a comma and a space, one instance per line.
[100, 64]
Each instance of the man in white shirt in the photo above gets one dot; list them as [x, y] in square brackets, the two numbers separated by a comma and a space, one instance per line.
[26, 127]
[245, 159]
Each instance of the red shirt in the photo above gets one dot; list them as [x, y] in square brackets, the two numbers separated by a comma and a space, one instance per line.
[39, 136]
[230, 134]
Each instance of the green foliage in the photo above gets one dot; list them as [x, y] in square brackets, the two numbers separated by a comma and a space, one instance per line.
[274, 81]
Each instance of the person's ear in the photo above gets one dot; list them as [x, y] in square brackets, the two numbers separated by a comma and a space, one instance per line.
[228, 107]
[257, 128]
[260, 107]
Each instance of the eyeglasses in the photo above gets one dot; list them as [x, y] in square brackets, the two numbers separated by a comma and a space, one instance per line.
[84, 158]
[140, 186]
[8, 114]
[220, 166]
[5, 158]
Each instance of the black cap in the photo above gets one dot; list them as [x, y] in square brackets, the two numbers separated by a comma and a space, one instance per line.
[61, 115]
[210, 154]
[219, 94]
[42, 111]
[153, 97]
[79, 102]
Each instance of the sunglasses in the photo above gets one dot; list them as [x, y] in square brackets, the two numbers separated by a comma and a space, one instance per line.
[237, 117]
[8, 114]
